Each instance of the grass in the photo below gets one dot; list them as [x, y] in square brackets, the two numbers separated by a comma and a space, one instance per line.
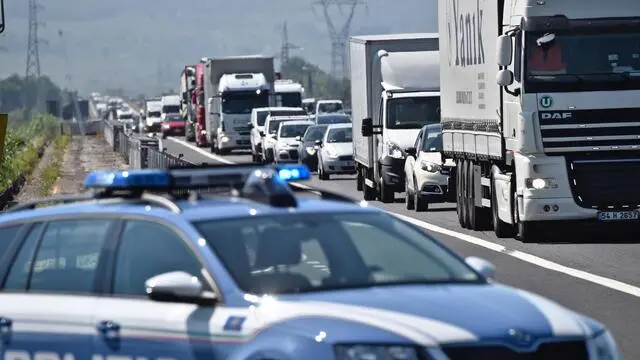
[51, 172]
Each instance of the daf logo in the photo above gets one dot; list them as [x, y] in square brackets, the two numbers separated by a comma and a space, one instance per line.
[520, 337]
[546, 101]
[556, 115]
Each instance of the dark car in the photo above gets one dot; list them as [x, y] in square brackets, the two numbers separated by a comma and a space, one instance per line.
[308, 147]
[173, 124]
[333, 118]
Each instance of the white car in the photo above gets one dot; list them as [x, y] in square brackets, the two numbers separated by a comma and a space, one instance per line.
[258, 119]
[271, 126]
[336, 152]
[427, 177]
[288, 140]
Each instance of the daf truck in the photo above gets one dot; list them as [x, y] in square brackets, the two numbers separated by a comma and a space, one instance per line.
[540, 112]
[234, 86]
[394, 93]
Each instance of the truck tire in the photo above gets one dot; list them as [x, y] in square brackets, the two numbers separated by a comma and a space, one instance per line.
[500, 228]
[459, 192]
[385, 192]
[465, 195]
[360, 179]
[526, 231]
[478, 215]
[368, 193]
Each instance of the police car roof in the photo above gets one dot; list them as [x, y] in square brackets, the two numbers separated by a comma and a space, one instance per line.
[207, 209]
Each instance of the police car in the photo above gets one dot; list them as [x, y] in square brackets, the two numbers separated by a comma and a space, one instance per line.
[237, 262]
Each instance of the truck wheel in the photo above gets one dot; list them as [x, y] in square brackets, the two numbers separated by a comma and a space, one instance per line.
[526, 231]
[459, 193]
[385, 193]
[360, 180]
[500, 228]
[478, 215]
[409, 200]
[465, 195]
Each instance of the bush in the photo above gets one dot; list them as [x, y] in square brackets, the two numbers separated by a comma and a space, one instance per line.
[22, 144]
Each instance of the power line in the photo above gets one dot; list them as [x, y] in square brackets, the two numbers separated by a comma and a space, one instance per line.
[339, 36]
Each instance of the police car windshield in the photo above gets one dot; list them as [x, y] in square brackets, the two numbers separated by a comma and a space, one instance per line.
[300, 253]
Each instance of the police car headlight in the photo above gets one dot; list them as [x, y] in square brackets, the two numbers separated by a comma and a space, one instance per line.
[540, 183]
[604, 347]
[311, 150]
[371, 352]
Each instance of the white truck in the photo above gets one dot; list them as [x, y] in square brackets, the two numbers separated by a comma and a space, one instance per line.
[171, 104]
[233, 86]
[540, 111]
[288, 93]
[152, 118]
[394, 93]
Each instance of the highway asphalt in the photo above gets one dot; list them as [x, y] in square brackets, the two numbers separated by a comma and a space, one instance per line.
[594, 273]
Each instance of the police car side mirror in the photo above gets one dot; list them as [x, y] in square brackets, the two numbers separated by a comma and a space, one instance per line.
[175, 286]
[482, 266]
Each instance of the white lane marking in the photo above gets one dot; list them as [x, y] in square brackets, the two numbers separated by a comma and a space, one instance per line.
[202, 152]
[531, 259]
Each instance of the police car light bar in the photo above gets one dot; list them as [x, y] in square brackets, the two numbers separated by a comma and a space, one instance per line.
[190, 178]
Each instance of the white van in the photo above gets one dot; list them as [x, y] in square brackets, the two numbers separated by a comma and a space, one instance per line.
[171, 104]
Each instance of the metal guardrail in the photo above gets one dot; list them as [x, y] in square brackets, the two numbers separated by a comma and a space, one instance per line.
[139, 151]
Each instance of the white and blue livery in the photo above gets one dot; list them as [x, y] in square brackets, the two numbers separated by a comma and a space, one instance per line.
[228, 263]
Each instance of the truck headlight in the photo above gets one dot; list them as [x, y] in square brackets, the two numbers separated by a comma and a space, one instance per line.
[430, 167]
[225, 139]
[393, 150]
[603, 347]
[540, 183]
[371, 352]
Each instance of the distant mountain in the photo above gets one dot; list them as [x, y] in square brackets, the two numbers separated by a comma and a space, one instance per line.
[141, 45]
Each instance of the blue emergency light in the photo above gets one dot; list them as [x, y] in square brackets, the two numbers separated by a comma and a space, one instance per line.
[194, 178]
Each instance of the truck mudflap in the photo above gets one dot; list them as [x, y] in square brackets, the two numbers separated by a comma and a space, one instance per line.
[392, 172]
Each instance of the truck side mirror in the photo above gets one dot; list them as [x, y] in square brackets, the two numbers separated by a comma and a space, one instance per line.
[504, 50]
[504, 77]
[367, 127]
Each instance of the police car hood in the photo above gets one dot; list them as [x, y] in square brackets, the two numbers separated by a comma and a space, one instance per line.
[425, 315]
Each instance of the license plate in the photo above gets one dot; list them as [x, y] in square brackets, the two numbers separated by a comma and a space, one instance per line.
[618, 215]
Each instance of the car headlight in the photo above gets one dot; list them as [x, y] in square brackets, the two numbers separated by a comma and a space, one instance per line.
[430, 167]
[393, 150]
[603, 347]
[225, 139]
[540, 183]
[311, 150]
[331, 154]
[372, 352]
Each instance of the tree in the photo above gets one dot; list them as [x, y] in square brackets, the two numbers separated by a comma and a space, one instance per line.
[317, 83]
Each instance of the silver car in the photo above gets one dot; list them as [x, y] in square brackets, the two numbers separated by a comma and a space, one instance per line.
[336, 152]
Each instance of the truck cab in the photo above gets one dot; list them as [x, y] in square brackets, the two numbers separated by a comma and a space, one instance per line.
[288, 93]
[187, 87]
[200, 107]
[170, 105]
[309, 104]
[238, 95]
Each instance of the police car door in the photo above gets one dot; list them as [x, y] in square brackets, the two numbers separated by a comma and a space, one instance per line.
[136, 326]
[48, 298]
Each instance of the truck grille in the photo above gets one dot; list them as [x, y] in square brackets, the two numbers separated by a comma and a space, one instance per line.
[590, 130]
[605, 182]
[574, 350]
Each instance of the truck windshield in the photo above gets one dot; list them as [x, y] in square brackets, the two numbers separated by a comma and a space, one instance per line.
[290, 99]
[243, 102]
[153, 114]
[171, 109]
[291, 131]
[592, 61]
[412, 112]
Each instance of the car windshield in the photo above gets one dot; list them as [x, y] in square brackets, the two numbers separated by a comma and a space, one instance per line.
[330, 107]
[432, 141]
[582, 60]
[262, 115]
[292, 253]
[290, 99]
[243, 102]
[413, 112]
[173, 117]
[153, 114]
[315, 133]
[333, 119]
[170, 109]
[340, 135]
[291, 130]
